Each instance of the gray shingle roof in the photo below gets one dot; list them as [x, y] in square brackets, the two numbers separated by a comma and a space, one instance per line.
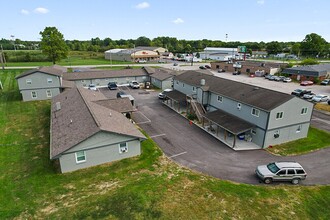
[309, 70]
[104, 74]
[45, 69]
[251, 95]
[81, 116]
[122, 105]
[228, 121]
[162, 74]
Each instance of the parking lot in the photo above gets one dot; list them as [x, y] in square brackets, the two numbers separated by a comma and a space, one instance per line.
[191, 147]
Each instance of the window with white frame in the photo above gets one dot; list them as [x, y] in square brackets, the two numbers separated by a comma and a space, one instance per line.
[255, 112]
[220, 98]
[279, 115]
[80, 157]
[123, 148]
[298, 129]
[182, 84]
[29, 81]
[49, 80]
[193, 88]
[34, 94]
[304, 111]
[239, 106]
[49, 93]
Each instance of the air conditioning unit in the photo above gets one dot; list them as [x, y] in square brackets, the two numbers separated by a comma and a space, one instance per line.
[124, 150]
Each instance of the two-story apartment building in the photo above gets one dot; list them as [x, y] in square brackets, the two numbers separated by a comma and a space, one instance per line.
[40, 84]
[240, 114]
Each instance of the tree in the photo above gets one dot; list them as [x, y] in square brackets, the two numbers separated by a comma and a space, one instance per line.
[53, 44]
[142, 41]
[273, 47]
[296, 49]
[313, 45]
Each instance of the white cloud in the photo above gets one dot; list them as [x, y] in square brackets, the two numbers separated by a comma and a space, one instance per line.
[178, 21]
[261, 2]
[25, 12]
[41, 10]
[142, 5]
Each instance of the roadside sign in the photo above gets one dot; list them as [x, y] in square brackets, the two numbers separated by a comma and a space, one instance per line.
[241, 49]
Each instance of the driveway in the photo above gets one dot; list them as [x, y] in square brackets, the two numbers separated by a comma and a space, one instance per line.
[191, 147]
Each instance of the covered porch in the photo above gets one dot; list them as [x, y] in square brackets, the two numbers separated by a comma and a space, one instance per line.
[176, 101]
[232, 131]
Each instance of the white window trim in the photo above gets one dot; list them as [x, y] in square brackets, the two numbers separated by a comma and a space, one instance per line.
[81, 161]
[120, 148]
[220, 98]
[29, 81]
[49, 93]
[239, 106]
[49, 80]
[279, 117]
[256, 110]
[303, 112]
[36, 93]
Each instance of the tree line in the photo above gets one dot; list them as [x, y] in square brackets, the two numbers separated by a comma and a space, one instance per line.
[313, 45]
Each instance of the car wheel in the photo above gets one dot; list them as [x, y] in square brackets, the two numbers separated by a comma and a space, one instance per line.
[268, 180]
[295, 181]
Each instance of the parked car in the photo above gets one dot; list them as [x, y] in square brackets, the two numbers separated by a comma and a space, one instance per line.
[271, 78]
[287, 79]
[141, 61]
[207, 67]
[175, 64]
[268, 76]
[281, 171]
[306, 83]
[320, 98]
[329, 102]
[92, 87]
[237, 73]
[308, 96]
[221, 70]
[112, 85]
[120, 94]
[277, 78]
[325, 82]
[162, 95]
[202, 67]
[134, 85]
[300, 92]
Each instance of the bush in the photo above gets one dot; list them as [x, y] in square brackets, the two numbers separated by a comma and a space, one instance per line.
[191, 116]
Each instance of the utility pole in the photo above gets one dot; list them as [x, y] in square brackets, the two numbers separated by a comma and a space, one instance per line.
[2, 58]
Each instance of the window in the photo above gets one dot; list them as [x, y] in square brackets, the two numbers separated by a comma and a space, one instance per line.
[279, 115]
[255, 112]
[239, 106]
[253, 131]
[80, 157]
[29, 81]
[220, 98]
[282, 172]
[300, 171]
[303, 111]
[177, 82]
[298, 129]
[34, 94]
[49, 80]
[123, 148]
[182, 84]
[291, 172]
[193, 88]
[82, 81]
[49, 93]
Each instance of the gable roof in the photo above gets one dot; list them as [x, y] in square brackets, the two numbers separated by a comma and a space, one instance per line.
[122, 105]
[99, 74]
[309, 70]
[258, 97]
[159, 73]
[80, 117]
[45, 69]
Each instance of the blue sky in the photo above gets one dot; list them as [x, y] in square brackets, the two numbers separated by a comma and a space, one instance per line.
[242, 20]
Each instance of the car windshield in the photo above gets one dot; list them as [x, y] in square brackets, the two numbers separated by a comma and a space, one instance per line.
[273, 168]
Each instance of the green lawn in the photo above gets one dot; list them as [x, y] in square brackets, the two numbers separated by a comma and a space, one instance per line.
[146, 187]
[316, 139]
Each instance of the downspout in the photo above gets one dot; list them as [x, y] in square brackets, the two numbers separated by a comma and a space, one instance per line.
[263, 142]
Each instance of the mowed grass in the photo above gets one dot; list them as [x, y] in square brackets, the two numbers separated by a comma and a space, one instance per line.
[146, 187]
[75, 58]
[316, 139]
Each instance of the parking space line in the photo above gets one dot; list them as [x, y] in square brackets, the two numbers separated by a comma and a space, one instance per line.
[147, 121]
[175, 155]
[158, 135]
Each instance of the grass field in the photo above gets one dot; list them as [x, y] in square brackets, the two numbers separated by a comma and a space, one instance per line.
[146, 187]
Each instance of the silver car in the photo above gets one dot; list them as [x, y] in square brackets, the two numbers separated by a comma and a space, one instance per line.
[281, 171]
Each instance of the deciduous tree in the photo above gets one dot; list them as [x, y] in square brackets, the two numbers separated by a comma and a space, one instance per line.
[53, 44]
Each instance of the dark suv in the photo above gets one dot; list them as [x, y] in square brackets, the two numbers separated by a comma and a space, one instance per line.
[300, 92]
[112, 85]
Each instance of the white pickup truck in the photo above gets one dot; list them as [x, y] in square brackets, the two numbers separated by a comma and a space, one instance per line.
[134, 85]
